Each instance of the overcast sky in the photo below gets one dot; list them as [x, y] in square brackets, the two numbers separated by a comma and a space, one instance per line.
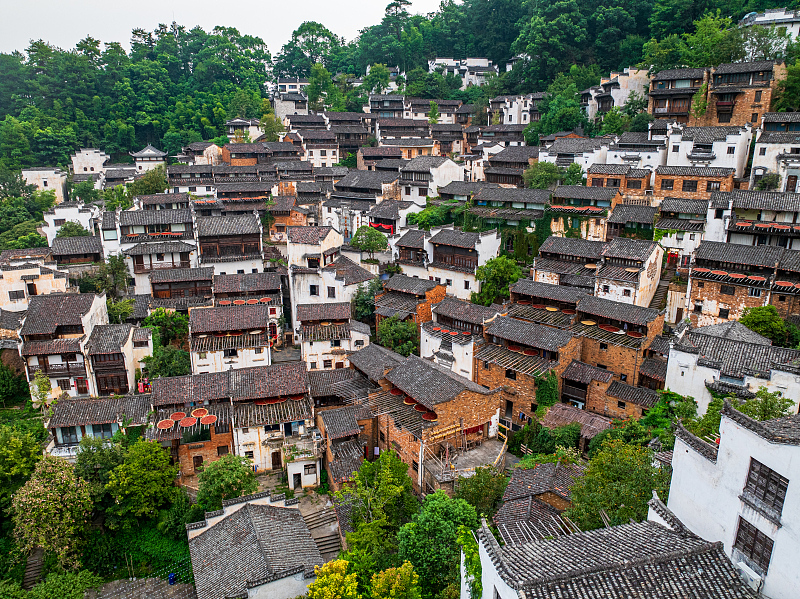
[65, 22]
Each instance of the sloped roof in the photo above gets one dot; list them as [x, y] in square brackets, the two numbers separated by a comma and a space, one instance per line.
[761, 255]
[429, 383]
[597, 306]
[66, 246]
[308, 235]
[463, 310]
[456, 238]
[625, 213]
[243, 283]
[324, 311]
[108, 339]
[229, 318]
[373, 360]
[74, 411]
[528, 333]
[408, 284]
[47, 312]
[348, 271]
[573, 247]
[630, 249]
[211, 226]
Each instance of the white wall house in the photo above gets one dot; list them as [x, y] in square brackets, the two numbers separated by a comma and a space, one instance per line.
[47, 178]
[89, 160]
[148, 158]
[744, 493]
[723, 147]
[19, 283]
[566, 150]
[423, 176]
[777, 153]
[74, 212]
[229, 338]
[329, 334]
[472, 71]
[639, 150]
[729, 358]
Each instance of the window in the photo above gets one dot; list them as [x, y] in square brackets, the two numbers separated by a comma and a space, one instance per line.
[623, 377]
[612, 183]
[597, 182]
[676, 148]
[408, 191]
[336, 343]
[323, 152]
[359, 342]
[781, 298]
[603, 346]
[727, 290]
[415, 465]
[44, 183]
[753, 119]
[15, 295]
[634, 184]
[222, 450]
[331, 292]
[605, 288]
[712, 185]
[753, 292]
[758, 96]
[102, 430]
[700, 284]
[486, 365]
[193, 189]
[621, 404]
[312, 365]
[230, 353]
[423, 192]
[69, 434]
[762, 151]
[248, 455]
[718, 213]
[258, 350]
[310, 469]
[698, 307]
[626, 292]
[511, 374]
[766, 485]
[466, 284]
[314, 290]
[59, 221]
[197, 461]
[327, 363]
[240, 272]
[724, 312]
[689, 186]
[754, 544]
[667, 184]
[63, 384]
[603, 366]
[448, 282]
[201, 355]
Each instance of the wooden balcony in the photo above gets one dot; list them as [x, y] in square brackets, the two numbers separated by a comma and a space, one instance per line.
[70, 369]
[145, 268]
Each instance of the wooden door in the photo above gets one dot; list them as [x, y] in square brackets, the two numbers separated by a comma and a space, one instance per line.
[791, 184]
[276, 460]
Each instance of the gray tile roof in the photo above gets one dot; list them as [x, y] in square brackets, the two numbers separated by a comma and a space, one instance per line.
[429, 383]
[255, 544]
[674, 74]
[323, 383]
[785, 430]
[709, 134]
[228, 318]
[248, 282]
[779, 137]
[684, 206]
[694, 171]
[108, 220]
[340, 422]
[528, 333]
[554, 478]
[408, 142]
[760, 255]
[348, 271]
[597, 306]
[413, 238]
[47, 312]
[373, 180]
[733, 330]
[568, 246]
[66, 246]
[491, 192]
[405, 284]
[389, 209]
[308, 235]
[463, 310]
[575, 145]
[87, 411]
[558, 293]
[160, 247]
[624, 213]
[561, 414]
[654, 368]
[424, 163]
[456, 238]
[585, 373]
[782, 117]
[374, 360]
[745, 67]
[212, 226]
[129, 218]
[324, 311]
[521, 154]
[762, 200]
[178, 275]
[581, 192]
[630, 249]
[640, 396]
[164, 198]
[108, 339]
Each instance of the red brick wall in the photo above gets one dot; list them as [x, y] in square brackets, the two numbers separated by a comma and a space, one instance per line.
[746, 104]
[710, 291]
[726, 184]
[206, 449]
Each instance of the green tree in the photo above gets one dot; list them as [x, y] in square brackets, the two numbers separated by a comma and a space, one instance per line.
[13, 387]
[153, 181]
[141, 485]
[483, 491]
[40, 391]
[67, 585]
[170, 326]
[364, 300]
[19, 454]
[52, 511]
[333, 582]
[429, 540]
[400, 336]
[665, 54]
[712, 42]
[94, 464]
[172, 522]
[369, 239]
[119, 311]
[112, 276]
[168, 360]
[85, 192]
[574, 175]
[542, 175]
[229, 477]
[620, 479]
[495, 278]
[766, 405]
[397, 583]
[640, 123]
[699, 102]
[787, 91]
[615, 122]
[769, 182]
[766, 321]
[433, 114]
[311, 43]
[377, 80]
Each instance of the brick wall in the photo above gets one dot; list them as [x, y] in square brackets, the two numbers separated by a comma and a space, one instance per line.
[710, 294]
[746, 104]
[623, 186]
[520, 392]
[208, 450]
[610, 406]
[702, 193]
[294, 219]
[596, 395]
[790, 304]
[434, 296]
[616, 358]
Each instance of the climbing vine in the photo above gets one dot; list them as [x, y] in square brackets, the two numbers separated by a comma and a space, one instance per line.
[547, 390]
[472, 561]
[659, 233]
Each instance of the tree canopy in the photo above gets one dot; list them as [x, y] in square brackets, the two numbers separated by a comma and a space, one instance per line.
[495, 278]
[400, 336]
[229, 477]
[369, 239]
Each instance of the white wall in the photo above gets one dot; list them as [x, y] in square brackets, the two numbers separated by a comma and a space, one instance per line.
[78, 214]
[737, 160]
[769, 163]
[203, 362]
[89, 160]
[285, 588]
[48, 180]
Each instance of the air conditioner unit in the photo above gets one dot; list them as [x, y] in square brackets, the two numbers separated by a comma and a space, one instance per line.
[752, 579]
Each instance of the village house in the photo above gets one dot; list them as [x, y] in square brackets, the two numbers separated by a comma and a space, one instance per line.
[148, 158]
[74, 418]
[726, 278]
[738, 492]
[21, 282]
[197, 179]
[400, 128]
[181, 288]
[289, 103]
[387, 106]
[257, 521]
[390, 216]
[47, 178]
[729, 359]
[567, 150]
[231, 244]
[710, 147]
[349, 137]
[201, 153]
[329, 333]
[449, 139]
[261, 413]
[229, 337]
[568, 262]
[54, 332]
[510, 206]
[740, 93]
[368, 156]
[410, 299]
[242, 130]
[455, 334]
[756, 218]
[671, 92]
[507, 167]
[77, 254]
[691, 182]
[245, 154]
[419, 109]
[591, 424]
[516, 353]
[639, 150]
[112, 360]
[504, 134]
[349, 437]
[423, 176]
[266, 287]
[411, 147]
[629, 271]
[656, 558]
[631, 220]
[777, 153]
[372, 185]
[680, 228]
[86, 161]
[615, 90]
[118, 174]
[630, 180]
[442, 425]
[471, 71]
[285, 213]
[534, 499]
[579, 211]
[320, 146]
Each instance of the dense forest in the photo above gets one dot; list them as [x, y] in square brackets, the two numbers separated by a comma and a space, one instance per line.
[177, 85]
